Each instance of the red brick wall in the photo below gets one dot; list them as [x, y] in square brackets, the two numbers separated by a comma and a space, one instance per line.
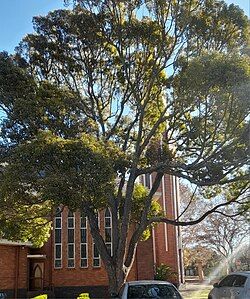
[47, 250]
[9, 256]
[164, 234]
[144, 260]
[76, 276]
[167, 255]
[143, 267]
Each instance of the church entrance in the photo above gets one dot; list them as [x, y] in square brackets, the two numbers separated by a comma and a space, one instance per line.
[36, 275]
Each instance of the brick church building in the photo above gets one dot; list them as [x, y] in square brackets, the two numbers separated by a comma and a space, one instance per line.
[69, 264]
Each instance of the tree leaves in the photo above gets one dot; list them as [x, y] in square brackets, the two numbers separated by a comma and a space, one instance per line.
[105, 92]
[63, 171]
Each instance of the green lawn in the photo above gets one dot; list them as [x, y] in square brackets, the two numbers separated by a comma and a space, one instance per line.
[196, 294]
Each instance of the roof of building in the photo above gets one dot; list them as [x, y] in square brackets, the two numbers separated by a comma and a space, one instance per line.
[14, 243]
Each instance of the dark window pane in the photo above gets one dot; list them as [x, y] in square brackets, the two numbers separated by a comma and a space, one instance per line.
[96, 263]
[96, 252]
[70, 222]
[152, 291]
[58, 212]
[58, 251]
[58, 223]
[58, 235]
[107, 234]
[71, 263]
[83, 236]
[107, 213]
[70, 251]
[109, 248]
[58, 263]
[240, 281]
[107, 222]
[83, 250]
[83, 222]
[71, 235]
[70, 214]
[97, 217]
[227, 281]
[84, 263]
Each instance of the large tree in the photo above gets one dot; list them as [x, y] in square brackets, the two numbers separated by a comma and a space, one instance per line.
[224, 233]
[200, 258]
[109, 90]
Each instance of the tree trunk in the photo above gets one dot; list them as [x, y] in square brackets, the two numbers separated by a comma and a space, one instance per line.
[200, 271]
[227, 267]
[117, 277]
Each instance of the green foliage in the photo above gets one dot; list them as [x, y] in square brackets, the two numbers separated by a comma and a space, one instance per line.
[45, 296]
[158, 151]
[67, 171]
[83, 295]
[105, 92]
[25, 222]
[164, 272]
[229, 21]
[139, 197]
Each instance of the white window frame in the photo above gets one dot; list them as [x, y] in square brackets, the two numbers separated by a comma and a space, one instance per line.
[108, 227]
[93, 247]
[57, 244]
[97, 258]
[85, 227]
[73, 228]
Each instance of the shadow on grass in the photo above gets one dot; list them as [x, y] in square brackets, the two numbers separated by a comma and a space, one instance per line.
[200, 291]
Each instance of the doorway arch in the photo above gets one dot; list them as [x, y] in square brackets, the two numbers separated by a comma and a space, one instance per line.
[37, 277]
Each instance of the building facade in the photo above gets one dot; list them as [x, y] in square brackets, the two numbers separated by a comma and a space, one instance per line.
[69, 263]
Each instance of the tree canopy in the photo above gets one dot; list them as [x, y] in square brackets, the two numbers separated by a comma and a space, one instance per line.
[218, 241]
[107, 91]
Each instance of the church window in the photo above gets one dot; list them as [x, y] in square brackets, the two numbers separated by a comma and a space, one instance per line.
[96, 254]
[84, 243]
[71, 240]
[58, 239]
[108, 230]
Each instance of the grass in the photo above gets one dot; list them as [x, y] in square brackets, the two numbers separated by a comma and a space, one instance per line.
[196, 294]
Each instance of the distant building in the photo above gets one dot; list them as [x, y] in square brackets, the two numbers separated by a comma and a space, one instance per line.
[69, 263]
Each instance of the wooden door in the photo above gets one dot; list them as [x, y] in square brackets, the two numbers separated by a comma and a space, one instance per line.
[37, 273]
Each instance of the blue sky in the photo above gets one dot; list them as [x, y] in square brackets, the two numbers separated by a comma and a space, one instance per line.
[16, 17]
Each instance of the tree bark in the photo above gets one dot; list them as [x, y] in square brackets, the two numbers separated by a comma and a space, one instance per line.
[116, 279]
[200, 271]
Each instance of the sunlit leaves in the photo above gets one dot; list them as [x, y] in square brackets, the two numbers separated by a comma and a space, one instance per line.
[213, 90]
[64, 171]
[140, 194]
[107, 90]
[24, 222]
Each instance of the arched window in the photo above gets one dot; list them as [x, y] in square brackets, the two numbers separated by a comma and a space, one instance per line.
[71, 239]
[58, 239]
[84, 242]
[38, 277]
[96, 255]
[108, 230]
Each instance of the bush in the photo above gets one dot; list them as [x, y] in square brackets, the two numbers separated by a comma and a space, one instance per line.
[83, 296]
[165, 272]
[41, 297]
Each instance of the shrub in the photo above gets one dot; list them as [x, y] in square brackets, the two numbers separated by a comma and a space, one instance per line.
[165, 272]
[41, 297]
